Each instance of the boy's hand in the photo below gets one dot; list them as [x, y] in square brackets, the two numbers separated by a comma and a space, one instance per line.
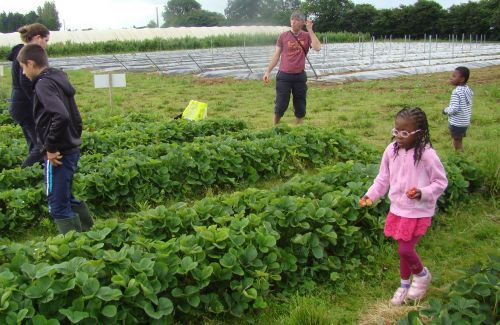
[55, 158]
[414, 193]
[365, 201]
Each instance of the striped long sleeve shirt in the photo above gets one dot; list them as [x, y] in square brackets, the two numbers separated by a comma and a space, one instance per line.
[460, 110]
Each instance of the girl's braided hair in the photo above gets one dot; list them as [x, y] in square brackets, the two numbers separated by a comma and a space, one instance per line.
[422, 138]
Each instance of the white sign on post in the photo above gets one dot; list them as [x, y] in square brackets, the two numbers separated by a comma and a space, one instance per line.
[1, 75]
[109, 81]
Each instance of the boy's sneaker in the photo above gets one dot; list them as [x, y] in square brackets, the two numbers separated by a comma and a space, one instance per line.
[419, 286]
[399, 296]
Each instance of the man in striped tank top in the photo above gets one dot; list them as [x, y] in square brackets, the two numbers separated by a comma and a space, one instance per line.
[460, 109]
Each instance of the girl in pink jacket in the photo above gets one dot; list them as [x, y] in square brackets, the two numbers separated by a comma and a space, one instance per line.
[415, 178]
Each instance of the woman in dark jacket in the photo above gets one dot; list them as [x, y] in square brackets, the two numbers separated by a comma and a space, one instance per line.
[21, 107]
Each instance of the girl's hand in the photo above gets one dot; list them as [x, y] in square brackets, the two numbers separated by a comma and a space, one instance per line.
[365, 201]
[414, 193]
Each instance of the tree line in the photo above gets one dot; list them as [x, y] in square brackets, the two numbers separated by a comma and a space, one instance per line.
[422, 17]
[46, 14]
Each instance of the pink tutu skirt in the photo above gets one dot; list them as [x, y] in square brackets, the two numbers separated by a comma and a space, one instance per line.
[405, 229]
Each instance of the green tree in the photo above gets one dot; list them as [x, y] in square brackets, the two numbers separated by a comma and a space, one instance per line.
[361, 18]
[189, 13]
[329, 15]
[48, 15]
[493, 21]
[152, 24]
[474, 18]
[425, 17]
[242, 12]
[176, 9]
[10, 22]
[30, 18]
[277, 12]
[197, 18]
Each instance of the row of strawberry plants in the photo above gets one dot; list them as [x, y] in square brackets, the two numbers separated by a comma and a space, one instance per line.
[13, 151]
[156, 173]
[218, 255]
[122, 272]
[16, 178]
[132, 135]
[90, 163]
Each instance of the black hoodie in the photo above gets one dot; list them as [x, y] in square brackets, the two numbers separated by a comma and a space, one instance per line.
[58, 121]
[22, 88]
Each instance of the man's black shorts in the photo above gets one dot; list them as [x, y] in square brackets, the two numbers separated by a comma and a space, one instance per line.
[296, 84]
[457, 132]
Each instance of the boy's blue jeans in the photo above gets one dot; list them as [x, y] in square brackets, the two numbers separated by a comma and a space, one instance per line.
[58, 184]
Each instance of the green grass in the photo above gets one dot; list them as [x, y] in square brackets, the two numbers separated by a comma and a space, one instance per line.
[455, 241]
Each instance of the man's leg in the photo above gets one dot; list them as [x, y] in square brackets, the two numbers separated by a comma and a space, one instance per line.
[283, 90]
[299, 91]
[276, 118]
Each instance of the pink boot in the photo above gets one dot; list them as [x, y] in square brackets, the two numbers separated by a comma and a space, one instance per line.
[399, 296]
[419, 286]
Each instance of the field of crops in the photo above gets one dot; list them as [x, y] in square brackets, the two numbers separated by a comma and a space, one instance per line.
[210, 220]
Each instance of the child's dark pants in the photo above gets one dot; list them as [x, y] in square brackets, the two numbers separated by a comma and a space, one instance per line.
[58, 182]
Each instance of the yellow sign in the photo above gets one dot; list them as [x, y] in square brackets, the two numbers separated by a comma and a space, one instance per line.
[195, 111]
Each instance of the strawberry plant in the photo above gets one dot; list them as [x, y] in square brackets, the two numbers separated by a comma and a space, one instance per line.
[5, 118]
[472, 299]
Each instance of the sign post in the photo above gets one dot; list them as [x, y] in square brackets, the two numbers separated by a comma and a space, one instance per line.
[109, 81]
[1, 77]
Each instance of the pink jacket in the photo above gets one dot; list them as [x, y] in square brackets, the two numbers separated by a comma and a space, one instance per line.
[398, 174]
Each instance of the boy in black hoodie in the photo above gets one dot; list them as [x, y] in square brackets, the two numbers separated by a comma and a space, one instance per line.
[58, 127]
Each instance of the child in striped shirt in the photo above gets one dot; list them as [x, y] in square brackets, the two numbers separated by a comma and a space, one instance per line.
[460, 109]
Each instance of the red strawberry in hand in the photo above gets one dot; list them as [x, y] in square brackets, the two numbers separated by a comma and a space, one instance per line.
[411, 193]
[365, 202]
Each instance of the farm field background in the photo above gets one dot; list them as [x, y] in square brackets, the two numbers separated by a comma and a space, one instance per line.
[335, 62]
[458, 238]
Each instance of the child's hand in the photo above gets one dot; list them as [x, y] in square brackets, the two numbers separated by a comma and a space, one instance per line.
[54, 158]
[414, 193]
[365, 201]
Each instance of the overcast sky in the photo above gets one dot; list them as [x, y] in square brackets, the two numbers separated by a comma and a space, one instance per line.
[105, 14]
